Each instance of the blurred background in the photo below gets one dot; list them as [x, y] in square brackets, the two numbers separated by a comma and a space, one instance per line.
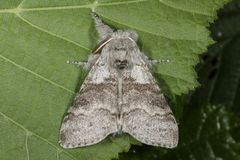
[209, 117]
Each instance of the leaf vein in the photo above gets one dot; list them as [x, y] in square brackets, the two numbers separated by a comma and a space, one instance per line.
[26, 146]
[177, 77]
[20, 4]
[145, 31]
[58, 154]
[91, 6]
[36, 74]
[50, 33]
[182, 9]
[36, 135]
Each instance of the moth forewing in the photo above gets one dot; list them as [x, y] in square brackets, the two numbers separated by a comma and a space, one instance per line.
[146, 114]
[91, 118]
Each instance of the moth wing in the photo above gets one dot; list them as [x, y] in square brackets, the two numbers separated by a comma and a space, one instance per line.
[146, 114]
[92, 117]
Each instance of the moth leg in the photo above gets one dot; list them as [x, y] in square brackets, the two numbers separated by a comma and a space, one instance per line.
[150, 63]
[78, 63]
[153, 62]
[103, 30]
[86, 64]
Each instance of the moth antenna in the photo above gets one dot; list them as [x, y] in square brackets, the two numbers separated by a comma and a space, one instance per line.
[133, 35]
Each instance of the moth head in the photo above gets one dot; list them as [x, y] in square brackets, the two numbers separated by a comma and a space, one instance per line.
[119, 34]
[121, 51]
[120, 48]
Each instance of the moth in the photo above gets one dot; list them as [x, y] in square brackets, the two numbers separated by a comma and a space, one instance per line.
[118, 95]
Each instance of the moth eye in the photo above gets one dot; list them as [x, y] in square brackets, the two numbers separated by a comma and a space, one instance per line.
[121, 64]
[125, 61]
[117, 61]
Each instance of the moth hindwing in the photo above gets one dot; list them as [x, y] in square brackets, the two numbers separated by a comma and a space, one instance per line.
[118, 95]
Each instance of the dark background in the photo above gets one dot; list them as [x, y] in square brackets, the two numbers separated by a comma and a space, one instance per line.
[209, 117]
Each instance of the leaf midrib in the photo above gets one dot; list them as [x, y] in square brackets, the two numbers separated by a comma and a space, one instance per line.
[19, 9]
[92, 6]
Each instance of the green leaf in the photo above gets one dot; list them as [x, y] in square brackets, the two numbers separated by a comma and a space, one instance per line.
[36, 39]
[219, 73]
[226, 89]
[211, 133]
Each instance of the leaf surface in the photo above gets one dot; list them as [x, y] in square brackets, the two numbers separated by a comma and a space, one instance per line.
[36, 39]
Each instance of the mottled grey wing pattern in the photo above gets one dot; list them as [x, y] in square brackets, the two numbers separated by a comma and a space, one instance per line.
[146, 114]
[91, 118]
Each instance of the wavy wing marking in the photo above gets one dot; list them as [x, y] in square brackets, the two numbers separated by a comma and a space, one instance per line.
[146, 114]
[92, 116]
